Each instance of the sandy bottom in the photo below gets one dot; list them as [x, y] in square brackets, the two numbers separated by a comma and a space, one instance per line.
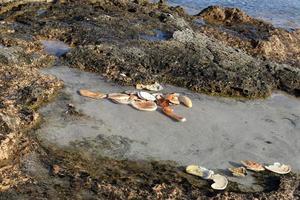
[218, 131]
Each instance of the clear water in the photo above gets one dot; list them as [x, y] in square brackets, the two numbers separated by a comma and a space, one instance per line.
[54, 47]
[217, 130]
[281, 13]
[157, 36]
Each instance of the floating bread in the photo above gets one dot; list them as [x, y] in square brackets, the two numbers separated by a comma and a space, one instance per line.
[239, 171]
[185, 101]
[146, 96]
[90, 94]
[121, 101]
[173, 98]
[279, 168]
[199, 171]
[220, 182]
[162, 102]
[254, 166]
[130, 92]
[170, 113]
[119, 98]
[144, 105]
[158, 95]
[133, 97]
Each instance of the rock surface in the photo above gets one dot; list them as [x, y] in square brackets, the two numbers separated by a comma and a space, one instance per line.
[22, 90]
[235, 28]
[106, 38]
[110, 39]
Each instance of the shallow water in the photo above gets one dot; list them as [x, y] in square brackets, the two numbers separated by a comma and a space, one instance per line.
[55, 47]
[218, 130]
[281, 13]
[157, 36]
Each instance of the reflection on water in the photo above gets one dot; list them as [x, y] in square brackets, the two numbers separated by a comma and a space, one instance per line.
[56, 48]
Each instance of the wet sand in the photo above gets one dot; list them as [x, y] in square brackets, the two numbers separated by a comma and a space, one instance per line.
[218, 131]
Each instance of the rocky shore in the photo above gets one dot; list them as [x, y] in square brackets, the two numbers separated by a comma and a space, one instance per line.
[228, 54]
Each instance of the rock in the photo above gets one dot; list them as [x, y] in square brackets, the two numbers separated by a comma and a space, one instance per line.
[218, 14]
[186, 36]
[56, 169]
[209, 59]
[22, 89]
[255, 36]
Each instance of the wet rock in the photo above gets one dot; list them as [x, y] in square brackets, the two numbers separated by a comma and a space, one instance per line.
[56, 169]
[71, 110]
[22, 89]
[186, 36]
[142, 180]
[107, 42]
[190, 60]
[230, 16]
[287, 75]
[235, 28]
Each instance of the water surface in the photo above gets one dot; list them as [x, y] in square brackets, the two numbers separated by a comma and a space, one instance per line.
[55, 47]
[217, 131]
[157, 35]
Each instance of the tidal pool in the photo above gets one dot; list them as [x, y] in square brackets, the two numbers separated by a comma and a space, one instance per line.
[218, 131]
